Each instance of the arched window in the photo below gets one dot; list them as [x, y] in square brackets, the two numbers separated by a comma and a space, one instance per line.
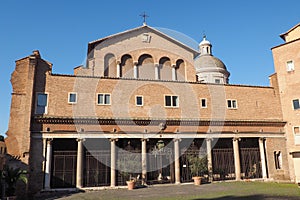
[165, 69]
[109, 65]
[126, 66]
[180, 70]
[146, 67]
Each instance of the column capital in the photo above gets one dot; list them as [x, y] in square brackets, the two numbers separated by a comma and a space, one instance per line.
[173, 66]
[80, 139]
[49, 140]
[144, 139]
[177, 139]
[118, 62]
[209, 139]
[262, 139]
[236, 139]
[156, 64]
[113, 139]
[135, 63]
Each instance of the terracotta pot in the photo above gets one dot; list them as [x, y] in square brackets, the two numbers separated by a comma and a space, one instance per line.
[197, 180]
[131, 185]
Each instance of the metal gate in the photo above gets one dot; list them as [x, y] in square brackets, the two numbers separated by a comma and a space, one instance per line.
[250, 163]
[64, 169]
[97, 171]
[223, 164]
[185, 170]
[160, 165]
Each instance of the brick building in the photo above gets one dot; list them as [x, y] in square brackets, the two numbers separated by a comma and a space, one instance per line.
[146, 96]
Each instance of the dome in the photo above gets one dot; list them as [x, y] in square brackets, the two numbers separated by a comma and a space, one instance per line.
[209, 61]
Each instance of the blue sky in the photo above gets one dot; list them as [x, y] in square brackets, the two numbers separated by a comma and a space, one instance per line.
[242, 32]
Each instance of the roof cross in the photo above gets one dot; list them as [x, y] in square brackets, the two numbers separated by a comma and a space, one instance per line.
[143, 15]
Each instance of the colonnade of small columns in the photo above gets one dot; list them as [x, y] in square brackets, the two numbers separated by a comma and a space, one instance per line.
[156, 72]
[80, 156]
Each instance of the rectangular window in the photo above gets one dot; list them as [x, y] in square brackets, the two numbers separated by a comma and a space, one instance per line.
[171, 101]
[232, 104]
[218, 81]
[103, 99]
[72, 98]
[203, 103]
[296, 104]
[41, 104]
[139, 100]
[296, 130]
[290, 66]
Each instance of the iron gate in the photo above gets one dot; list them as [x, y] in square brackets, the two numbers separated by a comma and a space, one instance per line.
[223, 164]
[160, 165]
[64, 169]
[97, 171]
[250, 163]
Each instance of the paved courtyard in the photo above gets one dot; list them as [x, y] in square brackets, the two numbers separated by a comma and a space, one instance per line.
[218, 191]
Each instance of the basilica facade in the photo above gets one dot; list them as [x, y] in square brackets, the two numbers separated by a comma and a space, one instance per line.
[143, 104]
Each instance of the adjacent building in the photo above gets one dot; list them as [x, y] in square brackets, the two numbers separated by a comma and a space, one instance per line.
[143, 104]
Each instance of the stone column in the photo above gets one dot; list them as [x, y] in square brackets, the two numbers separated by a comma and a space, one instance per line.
[174, 78]
[144, 161]
[263, 157]
[209, 159]
[177, 161]
[79, 167]
[237, 164]
[48, 164]
[157, 77]
[118, 69]
[113, 162]
[135, 70]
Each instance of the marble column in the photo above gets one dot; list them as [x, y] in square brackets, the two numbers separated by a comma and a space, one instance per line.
[237, 163]
[177, 161]
[174, 75]
[135, 70]
[144, 161]
[113, 162]
[79, 167]
[157, 76]
[118, 69]
[209, 159]
[48, 164]
[263, 157]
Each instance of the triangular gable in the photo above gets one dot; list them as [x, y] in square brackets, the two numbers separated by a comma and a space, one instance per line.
[92, 44]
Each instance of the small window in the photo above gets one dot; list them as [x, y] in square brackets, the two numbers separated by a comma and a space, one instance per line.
[139, 100]
[72, 98]
[171, 101]
[203, 103]
[297, 130]
[218, 81]
[296, 104]
[103, 99]
[278, 159]
[232, 104]
[290, 66]
[41, 104]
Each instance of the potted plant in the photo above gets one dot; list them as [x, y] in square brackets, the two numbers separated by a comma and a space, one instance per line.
[198, 167]
[11, 176]
[129, 166]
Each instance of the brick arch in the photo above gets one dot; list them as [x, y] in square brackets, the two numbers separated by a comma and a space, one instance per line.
[165, 68]
[126, 66]
[180, 69]
[146, 68]
[110, 65]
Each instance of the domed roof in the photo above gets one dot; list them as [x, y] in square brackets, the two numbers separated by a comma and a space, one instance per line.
[209, 61]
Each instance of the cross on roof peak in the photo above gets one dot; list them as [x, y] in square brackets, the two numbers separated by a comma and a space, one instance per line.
[144, 16]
